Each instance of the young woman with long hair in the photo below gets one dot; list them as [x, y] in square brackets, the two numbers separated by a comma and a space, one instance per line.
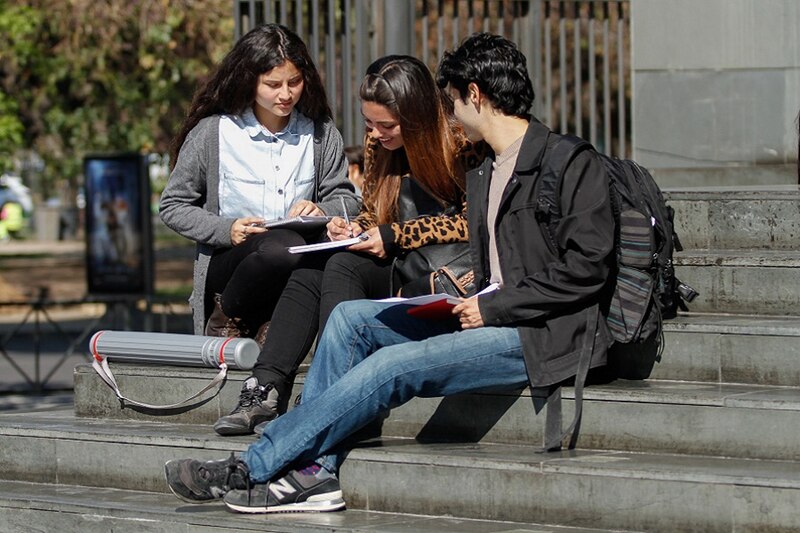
[258, 144]
[413, 196]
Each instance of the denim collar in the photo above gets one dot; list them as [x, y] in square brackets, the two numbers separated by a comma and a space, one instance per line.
[254, 128]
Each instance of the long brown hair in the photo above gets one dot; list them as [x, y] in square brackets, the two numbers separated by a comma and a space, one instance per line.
[431, 137]
[232, 87]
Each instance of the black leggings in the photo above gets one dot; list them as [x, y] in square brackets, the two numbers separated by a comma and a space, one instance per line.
[251, 276]
[307, 302]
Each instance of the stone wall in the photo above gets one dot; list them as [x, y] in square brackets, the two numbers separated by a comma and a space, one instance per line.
[716, 83]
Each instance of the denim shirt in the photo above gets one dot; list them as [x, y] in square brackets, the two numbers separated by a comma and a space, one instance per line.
[261, 173]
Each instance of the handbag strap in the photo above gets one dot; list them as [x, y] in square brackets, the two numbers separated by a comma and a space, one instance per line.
[100, 365]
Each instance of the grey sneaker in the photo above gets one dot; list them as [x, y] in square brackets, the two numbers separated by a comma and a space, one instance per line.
[199, 482]
[259, 428]
[257, 404]
[299, 490]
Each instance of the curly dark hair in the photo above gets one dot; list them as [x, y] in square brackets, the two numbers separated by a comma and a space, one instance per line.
[496, 66]
[231, 89]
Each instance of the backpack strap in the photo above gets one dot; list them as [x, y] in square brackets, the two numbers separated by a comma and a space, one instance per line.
[548, 213]
[556, 161]
[553, 434]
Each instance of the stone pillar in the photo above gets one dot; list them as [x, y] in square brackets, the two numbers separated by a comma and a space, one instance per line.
[716, 83]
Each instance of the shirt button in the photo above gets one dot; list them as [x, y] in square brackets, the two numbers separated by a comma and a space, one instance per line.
[277, 167]
[280, 191]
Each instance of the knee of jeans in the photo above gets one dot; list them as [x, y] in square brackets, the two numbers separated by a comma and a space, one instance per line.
[341, 316]
[394, 383]
[352, 313]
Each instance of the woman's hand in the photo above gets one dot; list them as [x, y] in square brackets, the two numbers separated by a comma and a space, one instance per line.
[371, 243]
[339, 230]
[305, 208]
[243, 228]
[469, 314]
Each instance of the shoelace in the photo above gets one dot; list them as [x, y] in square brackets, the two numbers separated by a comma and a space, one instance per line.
[235, 467]
[252, 396]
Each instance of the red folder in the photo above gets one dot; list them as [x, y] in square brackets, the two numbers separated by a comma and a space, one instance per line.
[438, 310]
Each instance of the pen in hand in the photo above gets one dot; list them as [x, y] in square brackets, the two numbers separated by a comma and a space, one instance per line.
[346, 217]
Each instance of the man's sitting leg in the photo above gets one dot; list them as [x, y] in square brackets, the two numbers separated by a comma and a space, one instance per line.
[439, 366]
[357, 329]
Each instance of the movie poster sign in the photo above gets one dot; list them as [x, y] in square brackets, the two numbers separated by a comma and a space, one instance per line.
[118, 233]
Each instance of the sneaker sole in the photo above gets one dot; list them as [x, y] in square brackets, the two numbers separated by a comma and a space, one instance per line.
[228, 431]
[321, 503]
[180, 496]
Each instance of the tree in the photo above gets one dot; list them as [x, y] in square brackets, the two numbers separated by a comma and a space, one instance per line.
[84, 76]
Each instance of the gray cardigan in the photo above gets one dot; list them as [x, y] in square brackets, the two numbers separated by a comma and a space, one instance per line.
[190, 201]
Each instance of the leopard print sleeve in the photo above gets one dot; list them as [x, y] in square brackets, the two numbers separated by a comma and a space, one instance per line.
[430, 230]
[366, 220]
[443, 228]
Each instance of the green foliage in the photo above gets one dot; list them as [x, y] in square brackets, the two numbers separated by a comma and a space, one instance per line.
[11, 131]
[83, 76]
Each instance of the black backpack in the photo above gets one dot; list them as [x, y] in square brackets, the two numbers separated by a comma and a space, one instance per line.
[646, 291]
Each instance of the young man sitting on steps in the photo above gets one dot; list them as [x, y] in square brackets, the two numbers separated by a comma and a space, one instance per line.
[373, 356]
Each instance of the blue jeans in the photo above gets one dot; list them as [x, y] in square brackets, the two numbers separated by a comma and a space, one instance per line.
[371, 357]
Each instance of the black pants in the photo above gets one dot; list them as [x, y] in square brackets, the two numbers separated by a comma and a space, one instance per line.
[251, 276]
[313, 290]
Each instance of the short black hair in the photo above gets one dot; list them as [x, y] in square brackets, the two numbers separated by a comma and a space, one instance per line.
[355, 155]
[496, 66]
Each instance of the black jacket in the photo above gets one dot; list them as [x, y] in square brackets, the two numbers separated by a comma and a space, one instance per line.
[550, 296]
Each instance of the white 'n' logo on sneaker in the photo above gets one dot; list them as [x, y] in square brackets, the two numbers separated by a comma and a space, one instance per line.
[281, 488]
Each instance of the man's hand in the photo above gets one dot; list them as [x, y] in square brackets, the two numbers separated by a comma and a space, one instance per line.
[469, 314]
[373, 244]
[243, 228]
[305, 208]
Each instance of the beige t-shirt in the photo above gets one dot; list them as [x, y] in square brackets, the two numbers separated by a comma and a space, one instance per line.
[502, 168]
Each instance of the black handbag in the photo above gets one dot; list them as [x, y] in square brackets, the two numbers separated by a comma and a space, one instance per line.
[435, 268]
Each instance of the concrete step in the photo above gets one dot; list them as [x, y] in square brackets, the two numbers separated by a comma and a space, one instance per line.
[714, 348]
[584, 488]
[661, 416]
[731, 349]
[589, 488]
[763, 282]
[743, 218]
[51, 507]
[751, 176]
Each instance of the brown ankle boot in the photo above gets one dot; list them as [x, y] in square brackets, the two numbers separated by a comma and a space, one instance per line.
[261, 334]
[220, 325]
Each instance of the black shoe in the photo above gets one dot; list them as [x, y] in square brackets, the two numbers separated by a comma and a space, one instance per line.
[295, 492]
[199, 482]
[257, 404]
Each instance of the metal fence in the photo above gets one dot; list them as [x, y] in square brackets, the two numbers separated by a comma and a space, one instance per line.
[578, 51]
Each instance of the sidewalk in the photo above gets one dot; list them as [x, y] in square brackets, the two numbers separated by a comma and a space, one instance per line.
[37, 356]
[34, 247]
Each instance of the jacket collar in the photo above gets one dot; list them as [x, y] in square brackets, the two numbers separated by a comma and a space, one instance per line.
[254, 128]
[533, 146]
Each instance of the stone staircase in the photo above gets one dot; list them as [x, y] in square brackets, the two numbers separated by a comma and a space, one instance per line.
[710, 443]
